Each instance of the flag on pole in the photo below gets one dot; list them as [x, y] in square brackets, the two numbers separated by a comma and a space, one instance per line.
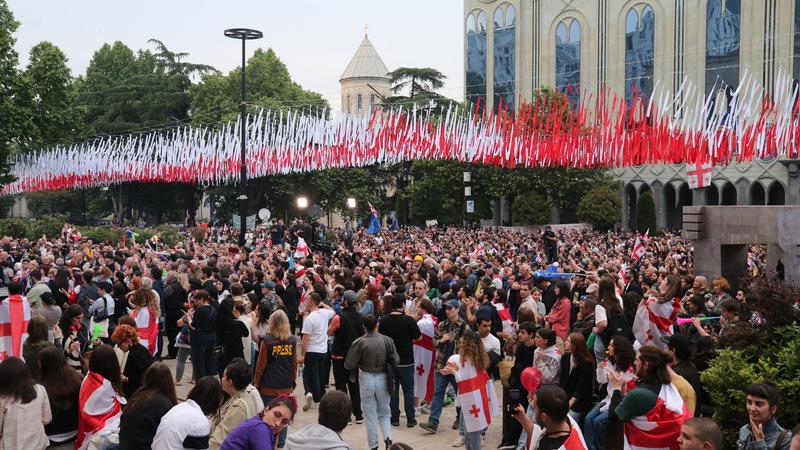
[374, 222]
[698, 174]
[638, 249]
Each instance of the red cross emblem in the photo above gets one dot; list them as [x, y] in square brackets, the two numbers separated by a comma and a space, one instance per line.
[474, 411]
[420, 369]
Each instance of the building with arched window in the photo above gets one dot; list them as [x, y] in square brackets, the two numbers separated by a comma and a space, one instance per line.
[581, 47]
[364, 81]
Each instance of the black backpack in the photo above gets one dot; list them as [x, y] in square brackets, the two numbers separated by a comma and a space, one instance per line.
[618, 325]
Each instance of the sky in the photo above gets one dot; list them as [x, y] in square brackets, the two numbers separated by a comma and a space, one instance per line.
[314, 38]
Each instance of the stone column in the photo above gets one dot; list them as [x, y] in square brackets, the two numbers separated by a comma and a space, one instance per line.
[660, 204]
[741, 192]
[793, 183]
[699, 196]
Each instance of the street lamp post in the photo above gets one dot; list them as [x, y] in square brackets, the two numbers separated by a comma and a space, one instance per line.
[244, 34]
[470, 204]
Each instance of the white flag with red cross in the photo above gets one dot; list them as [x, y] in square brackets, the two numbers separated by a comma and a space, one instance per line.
[638, 249]
[424, 358]
[476, 396]
[302, 248]
[15, 312]
[698, 174]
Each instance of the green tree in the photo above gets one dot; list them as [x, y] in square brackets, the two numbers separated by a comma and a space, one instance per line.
[55, 115]
[600, 207]
[646, 213]
[420, 82]
[14, 119]
[531, 209]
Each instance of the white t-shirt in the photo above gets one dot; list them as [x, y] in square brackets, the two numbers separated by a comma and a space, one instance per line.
[491, 343]
[315, 325]
[182, 421]
[600, 314]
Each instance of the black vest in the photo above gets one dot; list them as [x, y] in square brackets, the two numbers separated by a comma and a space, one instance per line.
[350, 329]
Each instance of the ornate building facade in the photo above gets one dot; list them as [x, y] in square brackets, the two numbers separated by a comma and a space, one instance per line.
[364, 81]
[580, 47]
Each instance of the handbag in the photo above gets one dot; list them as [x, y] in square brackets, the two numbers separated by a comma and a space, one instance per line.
[102, 314]
[505, 367]
[391, 374]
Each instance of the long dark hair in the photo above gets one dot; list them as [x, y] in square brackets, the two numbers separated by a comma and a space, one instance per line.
[674, 284]
[157, 381]
[104, 363]
[16, 381]
[624, 356]
[608, 295]
[207, 393]
[62, 279]
[579, 350]
[65, 322]
[62, 382]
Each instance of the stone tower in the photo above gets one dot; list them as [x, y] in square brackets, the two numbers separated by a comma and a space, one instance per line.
[365, 75]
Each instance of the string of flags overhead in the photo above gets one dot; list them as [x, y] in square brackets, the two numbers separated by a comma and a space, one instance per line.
[604, 130]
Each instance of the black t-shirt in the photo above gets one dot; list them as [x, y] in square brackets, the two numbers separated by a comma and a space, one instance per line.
[403, 330]
[552, 443]
[547, 241]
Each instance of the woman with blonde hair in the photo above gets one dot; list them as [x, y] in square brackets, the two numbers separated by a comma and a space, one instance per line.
[469, 368]
[276, 367]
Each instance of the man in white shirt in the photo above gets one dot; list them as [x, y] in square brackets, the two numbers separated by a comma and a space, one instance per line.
[490, 341]
[314, 347]
[533, 301]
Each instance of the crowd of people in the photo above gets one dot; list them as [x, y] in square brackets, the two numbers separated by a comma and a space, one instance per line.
[561, 338]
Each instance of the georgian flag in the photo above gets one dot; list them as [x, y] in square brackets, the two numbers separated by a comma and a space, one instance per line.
[505, 317]
[302, 248]
[15, 312]
[638, 249]
[476, 396]
[574, 440]
[147, 329]
[654, 320]
[660, 427]
[698, 174]
[424, 358]
[100, 408]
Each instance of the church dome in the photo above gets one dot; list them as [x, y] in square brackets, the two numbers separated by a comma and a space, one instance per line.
[366, 63]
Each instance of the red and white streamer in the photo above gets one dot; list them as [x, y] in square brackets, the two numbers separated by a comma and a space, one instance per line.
[604, 131]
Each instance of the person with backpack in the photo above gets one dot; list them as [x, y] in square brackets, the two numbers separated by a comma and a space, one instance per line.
[609, 319]
[101, 311]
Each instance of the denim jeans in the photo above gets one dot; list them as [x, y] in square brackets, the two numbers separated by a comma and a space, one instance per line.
[523, 437]
[180, 363]
[594, 428]
[375, 403]
[311, 374]
[281, 438]
[440, 383]
[405, 378]
[599, 349]
[472, 440]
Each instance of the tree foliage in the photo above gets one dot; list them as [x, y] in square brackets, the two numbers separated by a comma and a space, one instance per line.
[600, 207]
[646, 213]
[531, 209]
[14, 123]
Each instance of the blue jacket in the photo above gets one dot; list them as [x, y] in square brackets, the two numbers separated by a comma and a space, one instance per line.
[772, 431]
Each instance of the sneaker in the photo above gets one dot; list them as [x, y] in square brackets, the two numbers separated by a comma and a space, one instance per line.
[395, 422]
[309, 402]
[425, 409]
[359, 420]
[458, 442]
[388, 443]
[448, 400]
[429, 426]
[411, 423]
[456, 423]
[504, 446]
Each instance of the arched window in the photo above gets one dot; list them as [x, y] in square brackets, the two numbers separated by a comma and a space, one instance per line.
[476, 57]
[504, 48]
[723, 22]
[639, 53]
[568, 60]
[349, 111]
[358, 103]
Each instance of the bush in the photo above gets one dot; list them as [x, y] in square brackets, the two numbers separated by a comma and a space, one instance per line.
[531, 209]
[600, 207]
[167, 234]
[646, 213]
[16, 227]
[105, 233]
[49, 226]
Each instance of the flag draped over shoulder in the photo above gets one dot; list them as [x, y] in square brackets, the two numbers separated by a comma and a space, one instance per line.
[476, 396]
[424, 358]
[654, 320]
[302, 248]
[100, 408]
[660, 427]
[15, 312]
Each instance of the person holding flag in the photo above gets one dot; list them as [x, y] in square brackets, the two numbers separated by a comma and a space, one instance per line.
[656, 314]
[424, 353]
[374, 221]
[476, 395]
[638, 246]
